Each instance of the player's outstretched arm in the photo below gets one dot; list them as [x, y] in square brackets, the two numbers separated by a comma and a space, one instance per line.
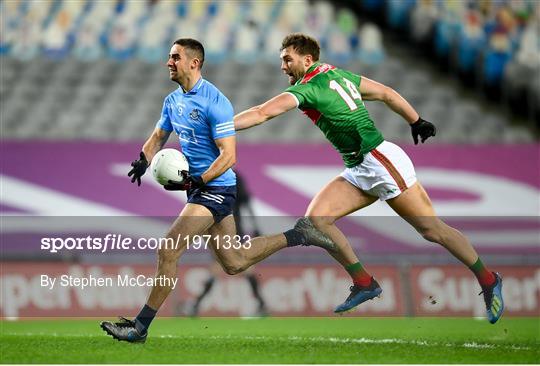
[262, 113]
[372, 90]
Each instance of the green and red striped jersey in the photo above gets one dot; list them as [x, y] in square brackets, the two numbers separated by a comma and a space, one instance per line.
[329, 96]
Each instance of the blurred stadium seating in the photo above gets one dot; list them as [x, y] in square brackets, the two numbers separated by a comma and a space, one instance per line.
[491, 45]
[89, 64]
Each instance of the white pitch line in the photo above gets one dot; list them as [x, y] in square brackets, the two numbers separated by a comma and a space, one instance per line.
[362, 340]
[476, 345]
[29, 334]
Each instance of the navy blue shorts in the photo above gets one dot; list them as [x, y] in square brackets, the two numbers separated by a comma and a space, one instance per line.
[219, 200]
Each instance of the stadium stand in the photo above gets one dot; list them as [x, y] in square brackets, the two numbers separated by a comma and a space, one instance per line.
[491, 45]
[101, 60]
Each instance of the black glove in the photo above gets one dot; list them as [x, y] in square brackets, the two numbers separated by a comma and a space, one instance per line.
[139, 168]
[188, 182]
[422, 128]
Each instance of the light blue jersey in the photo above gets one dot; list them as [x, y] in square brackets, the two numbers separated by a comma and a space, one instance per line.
[199, 117]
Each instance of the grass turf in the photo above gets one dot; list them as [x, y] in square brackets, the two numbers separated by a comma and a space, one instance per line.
[278, 340]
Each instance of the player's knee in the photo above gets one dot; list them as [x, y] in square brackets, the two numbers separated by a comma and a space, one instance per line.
[431, 233]
[320, 221]
[233, 269]
[231, 266]
[167, 255]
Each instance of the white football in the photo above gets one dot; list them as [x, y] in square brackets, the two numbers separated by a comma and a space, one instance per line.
[167, 165]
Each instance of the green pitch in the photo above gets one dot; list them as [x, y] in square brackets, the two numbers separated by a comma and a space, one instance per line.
[279, 340]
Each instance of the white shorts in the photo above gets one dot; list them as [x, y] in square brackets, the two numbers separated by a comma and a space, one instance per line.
[385, 172]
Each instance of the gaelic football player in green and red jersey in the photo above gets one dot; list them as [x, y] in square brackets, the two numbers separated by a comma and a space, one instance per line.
[374, 168]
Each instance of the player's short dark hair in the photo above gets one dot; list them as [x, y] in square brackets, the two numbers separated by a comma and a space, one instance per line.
[303, 44]
[194, 47]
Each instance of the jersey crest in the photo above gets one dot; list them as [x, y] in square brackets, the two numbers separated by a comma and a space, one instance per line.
[194, 114]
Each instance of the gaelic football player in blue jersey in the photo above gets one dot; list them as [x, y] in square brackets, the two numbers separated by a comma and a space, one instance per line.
[202, 118]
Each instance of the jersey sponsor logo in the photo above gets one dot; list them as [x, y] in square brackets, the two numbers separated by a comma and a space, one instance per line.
[187, 134]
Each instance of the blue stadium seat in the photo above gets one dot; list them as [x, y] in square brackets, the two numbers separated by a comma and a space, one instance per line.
[494, 63]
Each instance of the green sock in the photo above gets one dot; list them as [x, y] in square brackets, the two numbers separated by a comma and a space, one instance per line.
[358, 274]
[483, 275]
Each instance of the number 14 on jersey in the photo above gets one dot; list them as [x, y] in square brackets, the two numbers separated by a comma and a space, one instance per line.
[347, 97]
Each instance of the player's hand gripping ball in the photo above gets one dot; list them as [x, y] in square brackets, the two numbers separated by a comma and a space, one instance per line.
[168, 165]
[188, 182]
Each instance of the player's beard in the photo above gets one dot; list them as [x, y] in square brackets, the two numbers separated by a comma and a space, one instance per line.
[293, 78]
[295, 75]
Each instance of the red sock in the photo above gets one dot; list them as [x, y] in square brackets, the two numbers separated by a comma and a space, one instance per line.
[485, 277]
[359, 275]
